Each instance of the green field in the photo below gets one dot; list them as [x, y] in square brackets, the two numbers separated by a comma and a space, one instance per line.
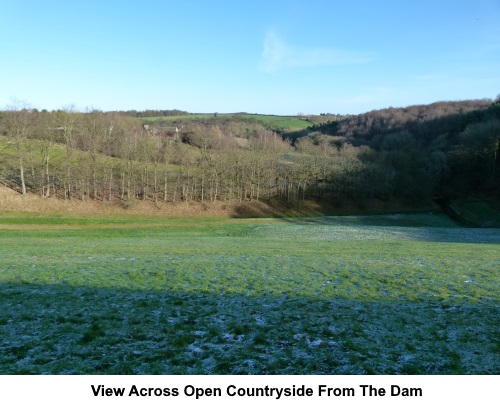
[178, 117]
[399, 294]
[274, 121]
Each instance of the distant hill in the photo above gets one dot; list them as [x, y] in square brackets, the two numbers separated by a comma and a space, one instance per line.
[153, 113]
[448, 149]
[279, 123]
[437, 116]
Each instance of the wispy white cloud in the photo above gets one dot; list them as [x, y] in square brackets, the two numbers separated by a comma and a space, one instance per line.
[373, 95]
[278, 55]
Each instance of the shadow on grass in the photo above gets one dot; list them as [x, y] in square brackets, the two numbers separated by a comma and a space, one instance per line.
[419, 227]
[282, 208]
[58, 329]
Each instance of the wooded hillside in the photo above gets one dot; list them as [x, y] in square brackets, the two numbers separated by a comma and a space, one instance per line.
[445, 149]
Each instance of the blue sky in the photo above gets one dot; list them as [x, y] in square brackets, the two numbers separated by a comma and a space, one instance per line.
[275, 57]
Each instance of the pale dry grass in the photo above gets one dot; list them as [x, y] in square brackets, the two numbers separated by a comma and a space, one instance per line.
[11, 200]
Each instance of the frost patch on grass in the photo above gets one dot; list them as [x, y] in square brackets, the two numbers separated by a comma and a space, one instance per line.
[259, 320]
[316, 343]
[196, 350]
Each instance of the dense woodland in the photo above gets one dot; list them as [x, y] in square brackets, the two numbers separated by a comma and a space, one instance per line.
[445, 149]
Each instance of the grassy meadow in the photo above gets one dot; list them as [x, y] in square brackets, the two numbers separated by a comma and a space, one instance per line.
[393, 294]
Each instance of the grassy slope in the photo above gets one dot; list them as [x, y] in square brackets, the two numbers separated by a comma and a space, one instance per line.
[480, 213]
[9, 159]
[392, 294]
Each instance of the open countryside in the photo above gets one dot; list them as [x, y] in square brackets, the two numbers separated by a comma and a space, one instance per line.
[221, 245]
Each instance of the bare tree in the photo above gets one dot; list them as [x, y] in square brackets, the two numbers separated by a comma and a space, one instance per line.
[66, 123]
[19, 123]
[47, 135]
